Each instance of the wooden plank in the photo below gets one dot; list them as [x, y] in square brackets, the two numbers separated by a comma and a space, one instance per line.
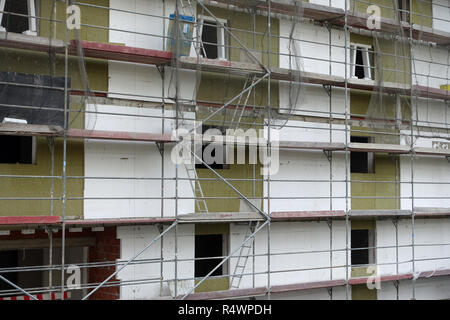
[121, 53]
[307, 286]
[220, 217]
[434, 273]
[359, 20]
[299, 215]
[376, 86]
[26, 42]
[117, 135]
[307, 77]
[221, 66]
[431, 212]
[432, 93]
[45, 243]
[114, 222]
[379, 213]
[18, 129]
[431, 35]
[223, 294]
[305, 145]
[29, 220]
[432, 151]
[378, 147]
[363, 280]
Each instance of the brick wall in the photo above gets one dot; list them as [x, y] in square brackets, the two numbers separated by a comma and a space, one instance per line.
[107, 249]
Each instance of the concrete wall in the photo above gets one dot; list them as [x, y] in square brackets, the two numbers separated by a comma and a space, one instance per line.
[130, 160]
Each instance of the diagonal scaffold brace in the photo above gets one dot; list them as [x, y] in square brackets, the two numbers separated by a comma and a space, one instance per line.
[131, 260]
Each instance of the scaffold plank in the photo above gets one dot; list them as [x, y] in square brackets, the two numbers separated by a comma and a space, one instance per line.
[431, 93]
[379, 213]
[431, 212]
[378, 147]
[430, 35]
[305, 145]
[27, 42]
[363, 280]
[121, 52]
[432, 151]
[119, 135]
[18, 129]
[118, 222]
[219, 217]
[29, 220]
[300, 215]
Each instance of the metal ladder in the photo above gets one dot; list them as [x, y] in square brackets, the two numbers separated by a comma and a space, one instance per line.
[244, 253]
[193, 180]
[249, 82]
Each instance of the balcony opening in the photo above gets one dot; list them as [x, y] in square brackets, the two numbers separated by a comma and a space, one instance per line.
[361, 162]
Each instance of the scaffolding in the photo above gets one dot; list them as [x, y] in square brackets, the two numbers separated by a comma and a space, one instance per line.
[248, 65]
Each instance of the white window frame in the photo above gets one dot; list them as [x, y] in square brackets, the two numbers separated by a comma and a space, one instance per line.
[366, 60]
[221, 36]
[31, 6]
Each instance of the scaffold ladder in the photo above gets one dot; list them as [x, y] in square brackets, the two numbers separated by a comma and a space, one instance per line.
[239, 112]
[196, 187]
[242, 259]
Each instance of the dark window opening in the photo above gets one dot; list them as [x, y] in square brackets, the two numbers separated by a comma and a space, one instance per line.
[403, 8]
[12, 22]
[361, 162]
[208, 246]
[359, 64]
[360, 241]
[15, 149]
[18, 259]
[8, 259]
[209, 40]
[215, 164]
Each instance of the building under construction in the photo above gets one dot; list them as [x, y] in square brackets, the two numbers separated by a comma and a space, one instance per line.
[314, 139]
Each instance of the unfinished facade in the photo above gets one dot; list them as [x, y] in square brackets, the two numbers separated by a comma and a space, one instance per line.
[336, 184]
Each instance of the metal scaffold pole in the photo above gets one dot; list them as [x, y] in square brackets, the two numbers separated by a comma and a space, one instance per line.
[347, 168]
[64, 164]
